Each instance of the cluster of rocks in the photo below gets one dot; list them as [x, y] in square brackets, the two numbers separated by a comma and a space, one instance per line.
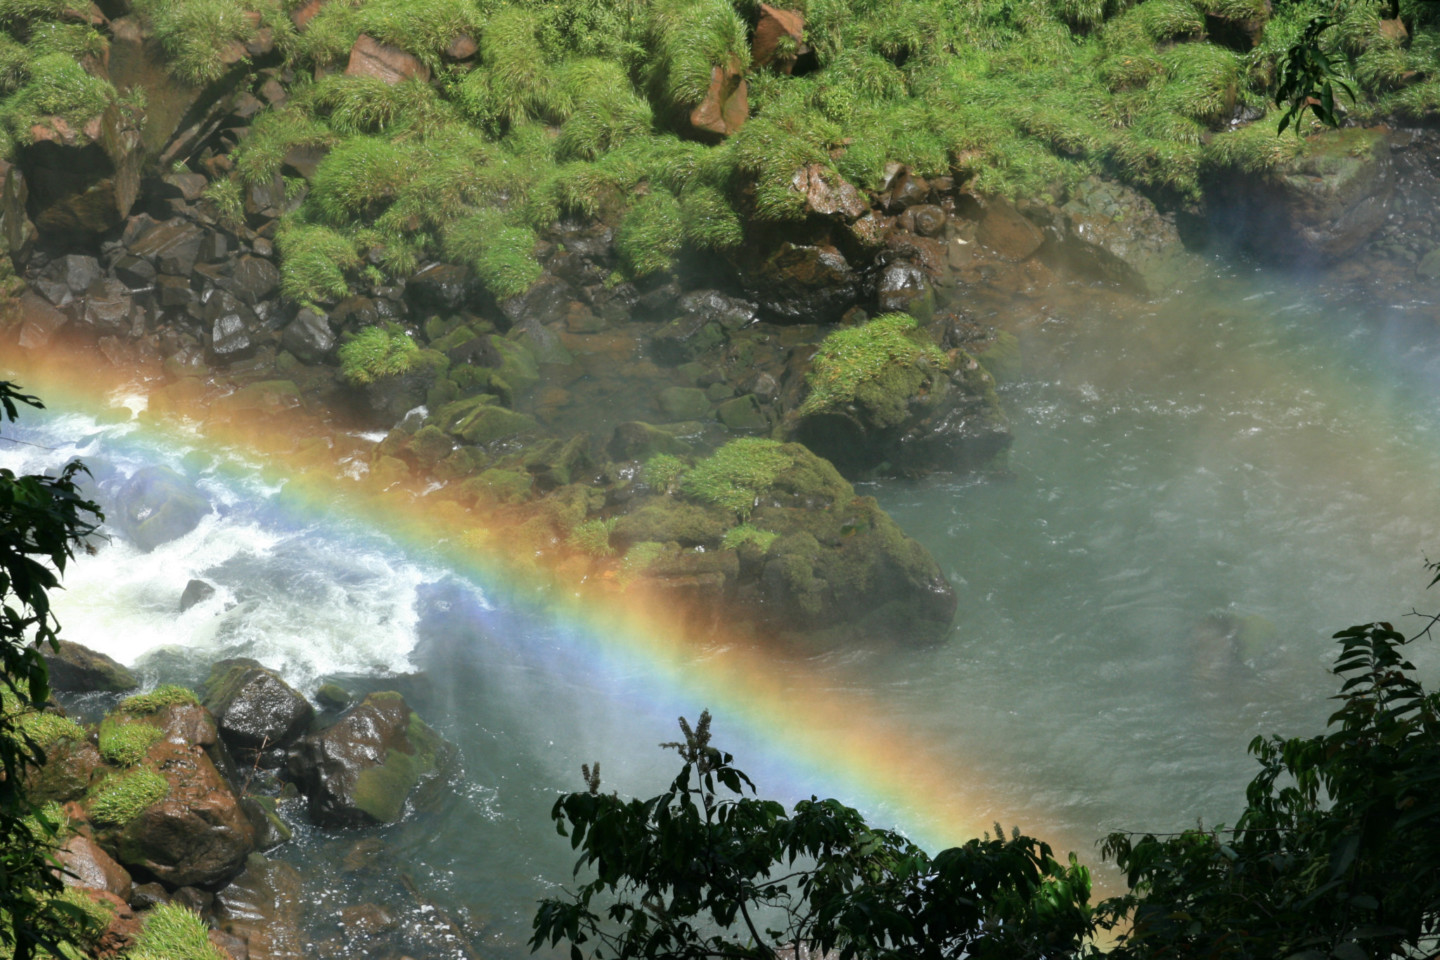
[228, 763]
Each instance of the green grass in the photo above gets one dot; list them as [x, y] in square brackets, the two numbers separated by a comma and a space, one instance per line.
[56, 86]
[742, 534]
[735, 475]
[165, 695]
[593, 537]
[48, 729]
[375, 353]
[127, 742]
[650, 235]
[173, 932]
[662, 471]
[314, 262]
[119, 799]
[197, 34]
[501, 254]
[227, 197]
[854, 356]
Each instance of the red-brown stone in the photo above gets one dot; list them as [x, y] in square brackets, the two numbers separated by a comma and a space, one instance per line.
[726, 105]
[371, 58]
[774, 25]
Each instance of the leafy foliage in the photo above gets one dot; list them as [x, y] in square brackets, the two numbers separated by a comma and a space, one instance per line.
[704, 871]
[1308, 78]
[42, 520]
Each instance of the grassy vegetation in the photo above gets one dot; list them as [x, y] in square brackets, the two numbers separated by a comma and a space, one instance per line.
[593, 537]
[204, 38]
[165, 695]
[119, 799]
[742, 534]
[48, 729]
[377, 352]
[126, 742]
[226, 196]
[735, 475]
[662, 471]
[173, 932]
[851, 357]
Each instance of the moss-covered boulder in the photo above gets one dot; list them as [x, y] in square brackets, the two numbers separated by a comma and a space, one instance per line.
[363, 769]
[1112, 232]
[78, 669]
[882, 396]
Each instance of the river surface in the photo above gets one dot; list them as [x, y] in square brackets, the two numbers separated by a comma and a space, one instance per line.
[1200, 492]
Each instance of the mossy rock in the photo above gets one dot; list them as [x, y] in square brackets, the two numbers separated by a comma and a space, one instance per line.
[555, 463]
[683, 403]
[666, 519]
[517, 365]
[1002, 357]
[498, 485]
[462, 462]
[638, 440]
[78, 669]
[430, 445]
[742, 415]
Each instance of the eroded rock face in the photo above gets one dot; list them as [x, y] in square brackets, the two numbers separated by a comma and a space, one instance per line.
[726, 104]
[1317, 208]
[1113, 233]
[363, 769]
[371, 58]
[256, 711]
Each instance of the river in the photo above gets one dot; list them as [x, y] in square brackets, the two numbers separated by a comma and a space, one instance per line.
[1200, 491]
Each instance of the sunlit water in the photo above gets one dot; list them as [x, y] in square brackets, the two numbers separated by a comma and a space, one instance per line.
[1199, 493]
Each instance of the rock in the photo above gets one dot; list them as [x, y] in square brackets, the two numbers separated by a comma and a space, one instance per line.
[263, 907]
[903, 287]
[120, 933]
[1006, 231]
[255, 279]
[774, 26]
[799, 282]
[197, 835]
[83, 864]
[891, 397]
[827, 194]
[173, 291]
[440, 286]
[39, 321]
[363, 769]
[665, 519]
[144, 896]
[157, 505]
[683, 403]
[1113, 233]
[1392, 30]
[637, 440]
[255, 709]
[463, 47]
[135, 273]
[1316, 208]
[185, 186]
[196, 592]
[726, 105]
[308, 336]
[742, 415]
[332, 696]
[1429, 266]
[907, 190]
[72, 272]
[929, 219]
[80, 186]
[302, 160]
[172, 246]
[108, 308]
[69, 767]
[371, 58]
[1238, 32]
[78, 669]
[231, 328]
[17, 232]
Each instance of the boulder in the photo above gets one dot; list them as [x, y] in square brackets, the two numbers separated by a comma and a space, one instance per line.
[197, 835]
[78, 669]
[827, 194]
[108, 308]
[67, 278]
[309, 336]
[1113, 233]
[726, 105]
[17, 232]
[255, 279]
[255, 710]
[794, 282]
[69, 767]
[158, 505]
[39, 321]
[1006, 231]
[905, 288]
[637, 440]
[84, 864]
[363, 769]
[263, 907]
[1316, 208]
[195, 592]
[232, 328]
[371, 58]
[172, 246]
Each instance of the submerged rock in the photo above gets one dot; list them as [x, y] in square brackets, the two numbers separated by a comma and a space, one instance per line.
[364, 768]
[158, 505]
[262, 907]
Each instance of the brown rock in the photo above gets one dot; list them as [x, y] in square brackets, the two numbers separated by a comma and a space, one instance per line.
[84, 864]
[463, 47]
[1006, 231]
[726, 105]
[371, 58]
[906, 190]
[775, 25]
[302, 17]
[124, 927]
[66, 774]
[1394, 31]
[929, 219]
[173, 246]
[16, 230]
[827, 194]
[39, 321]
[262, 908]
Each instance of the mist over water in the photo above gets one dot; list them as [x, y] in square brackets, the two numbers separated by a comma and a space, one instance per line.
[1200, 492]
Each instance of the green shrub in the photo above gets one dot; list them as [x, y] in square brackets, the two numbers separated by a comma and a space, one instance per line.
[119, 799]
[854, 356]
[735, 475]
[377, 352]
[165, 695]
[738, 536]
[127, 742]
[18, 12]
[48, 729]
[197, 35]
[593, 537]
[173, 932]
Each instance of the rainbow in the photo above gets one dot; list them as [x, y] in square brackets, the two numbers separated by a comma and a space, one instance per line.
[832, 738]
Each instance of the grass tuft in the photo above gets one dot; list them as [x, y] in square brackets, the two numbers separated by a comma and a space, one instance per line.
[202, 38]
[165, 695]
[375, 353]
[735, 475]
[119, 799]
[173, 932]
[651, 233]
[593, 537]
[854, 356]
[127, 742]
[48, 729]
[742, 534]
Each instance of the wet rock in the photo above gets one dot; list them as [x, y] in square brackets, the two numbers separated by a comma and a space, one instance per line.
[903, 287]
[308, 336]
[801, 282]
[144, 896]
[363, 769]
[440, 286]
[196, 592]
[17, 232]
[120, 933]
[929, 220]
[39, 321]
[135, 273]
[332, 696]
[827, 195]
[779, 38]
[78, 188]
[726, 105]
[1316, 208]
[1006, 231]
[666, 519]
[371, 58]
[197, 835]
[1113, 233]
[183, 186]
[255, 279]
[683, 403]
[69, 768]
[173, 291]
[108, 308]
[742, 415]
[172, 246]
[84, 864]
[158, 505]
[637, 440]
[907, 190]
[231, 327]
[67, 278]
[545, 302]
[78, 669]
[263, 907]
[255, 709]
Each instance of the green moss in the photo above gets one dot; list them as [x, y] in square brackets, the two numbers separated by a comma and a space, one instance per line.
[593, 537]
[48, 729]
[502, 255]
[744, 534]
[118, 799]
[650, 234]
[735, 475]
[689, 38]
[662, 471]
[851, 357]
[127, 742]
[314, 260]
[173, 932]
[359, 178]
[57, 86]
[198, 35]
[497, 485]
[381, 791]
[641, 557]
[165, 695]
[375, 353]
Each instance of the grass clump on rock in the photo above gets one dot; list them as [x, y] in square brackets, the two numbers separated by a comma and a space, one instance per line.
[202, 38]
[742, 534]
[48, 729]
[127, 742]
[850, 358]
[735, 475]
[662, 471]
[377, 352]
[165, 695]
[119, 799]
[173, 932]
[593, 537]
